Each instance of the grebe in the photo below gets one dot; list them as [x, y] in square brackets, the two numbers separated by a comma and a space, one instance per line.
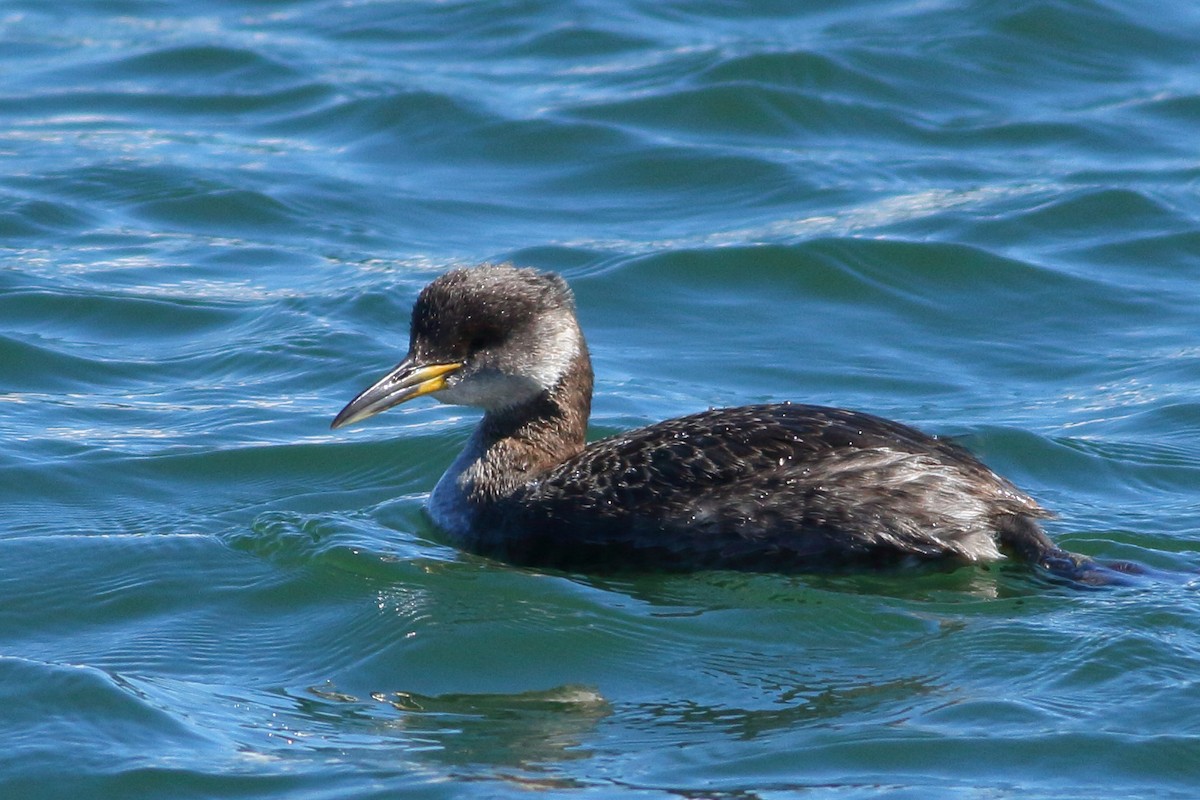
[783, 487]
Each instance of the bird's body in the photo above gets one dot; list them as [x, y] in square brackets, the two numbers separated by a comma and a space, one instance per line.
[784, 487]
[770, 487]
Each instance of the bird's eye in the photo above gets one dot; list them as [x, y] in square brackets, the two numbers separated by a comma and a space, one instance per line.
[483, 339]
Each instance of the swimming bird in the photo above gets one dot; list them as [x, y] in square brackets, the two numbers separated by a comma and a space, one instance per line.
[782, 487]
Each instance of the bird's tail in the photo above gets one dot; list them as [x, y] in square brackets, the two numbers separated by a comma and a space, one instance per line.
[1021, 534]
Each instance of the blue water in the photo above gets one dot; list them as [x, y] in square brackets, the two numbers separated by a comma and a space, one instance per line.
[980, 218]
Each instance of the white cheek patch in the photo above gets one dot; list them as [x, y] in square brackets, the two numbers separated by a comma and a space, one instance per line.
[552, 349]
[558, 345]
[490, 390]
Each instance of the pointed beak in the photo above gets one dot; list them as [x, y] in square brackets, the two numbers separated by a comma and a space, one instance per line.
[409, 379]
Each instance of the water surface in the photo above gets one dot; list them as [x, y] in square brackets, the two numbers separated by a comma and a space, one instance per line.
[979, 218]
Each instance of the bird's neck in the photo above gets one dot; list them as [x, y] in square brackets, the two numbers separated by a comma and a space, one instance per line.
[515, 445]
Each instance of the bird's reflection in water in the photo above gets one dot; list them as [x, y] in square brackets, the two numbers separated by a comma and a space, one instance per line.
[524, 731]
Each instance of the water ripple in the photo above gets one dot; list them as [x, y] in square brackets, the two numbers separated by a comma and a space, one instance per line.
[979, 218]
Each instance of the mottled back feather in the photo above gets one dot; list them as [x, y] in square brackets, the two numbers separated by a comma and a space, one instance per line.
[789, 486]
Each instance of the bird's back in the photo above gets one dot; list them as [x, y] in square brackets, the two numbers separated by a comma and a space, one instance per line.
[781, 487]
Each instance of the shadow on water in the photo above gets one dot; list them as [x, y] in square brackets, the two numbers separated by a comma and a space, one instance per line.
[683, 595]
